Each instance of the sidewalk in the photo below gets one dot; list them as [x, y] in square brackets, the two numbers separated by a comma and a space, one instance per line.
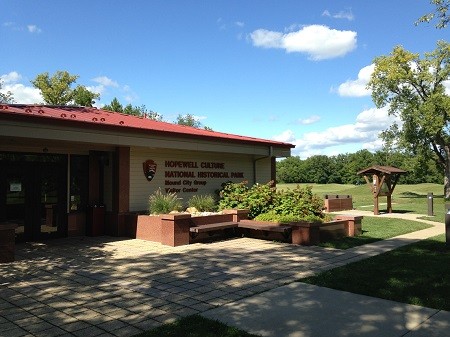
[303, 310]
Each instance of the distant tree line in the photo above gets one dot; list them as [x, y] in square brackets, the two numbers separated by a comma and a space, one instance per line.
[343, 168]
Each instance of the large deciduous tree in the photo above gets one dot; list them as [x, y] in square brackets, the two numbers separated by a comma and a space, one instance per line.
[57, 89]
[414, 90]
[440, 13]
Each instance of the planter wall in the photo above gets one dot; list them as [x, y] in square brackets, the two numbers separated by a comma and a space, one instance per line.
[7, 242]
[173, 229]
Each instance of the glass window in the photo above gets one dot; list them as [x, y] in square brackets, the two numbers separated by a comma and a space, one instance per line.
[79, 182]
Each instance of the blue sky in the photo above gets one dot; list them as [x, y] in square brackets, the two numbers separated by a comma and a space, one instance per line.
[292, 71]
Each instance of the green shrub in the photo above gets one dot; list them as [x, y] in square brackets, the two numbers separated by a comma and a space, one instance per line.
[257, 199]
[299, 202]
[203, 203]
[286, 218]
[160, 203]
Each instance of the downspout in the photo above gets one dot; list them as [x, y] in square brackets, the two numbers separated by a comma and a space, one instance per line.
[258, 159]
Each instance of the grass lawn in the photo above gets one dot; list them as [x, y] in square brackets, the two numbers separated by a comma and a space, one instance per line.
[195, 326]
[406, 198]
[417, 274]
[375, 229]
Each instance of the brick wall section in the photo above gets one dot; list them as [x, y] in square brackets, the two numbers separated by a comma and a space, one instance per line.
[334, 203]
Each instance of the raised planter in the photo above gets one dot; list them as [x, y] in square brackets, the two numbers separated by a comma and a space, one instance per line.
[7, 242]
[173, 229]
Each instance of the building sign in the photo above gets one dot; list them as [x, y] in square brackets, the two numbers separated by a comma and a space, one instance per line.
[188, 176]
[149, 167]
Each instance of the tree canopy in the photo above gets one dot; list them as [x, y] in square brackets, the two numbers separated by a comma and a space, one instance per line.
[190, 120]
[440, 13]
[343, 168]
[413, 89]
[57, 89]
[128, 109]
[6, 97]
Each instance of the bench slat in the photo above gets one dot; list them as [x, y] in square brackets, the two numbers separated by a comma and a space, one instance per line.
[213, 227]
[265, 227]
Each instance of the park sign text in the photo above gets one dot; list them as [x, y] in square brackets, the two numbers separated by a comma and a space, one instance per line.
[188, 176]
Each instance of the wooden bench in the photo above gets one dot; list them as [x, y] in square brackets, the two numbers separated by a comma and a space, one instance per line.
[195, 230]
[266, 227]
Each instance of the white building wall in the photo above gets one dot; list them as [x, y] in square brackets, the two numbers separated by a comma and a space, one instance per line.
[263, 170]
[235, 168]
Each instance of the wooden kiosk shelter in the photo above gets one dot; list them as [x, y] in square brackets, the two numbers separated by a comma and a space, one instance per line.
[384, 179]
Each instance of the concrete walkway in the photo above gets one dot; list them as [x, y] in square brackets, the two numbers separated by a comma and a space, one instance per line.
[303, 310]
[119, 287]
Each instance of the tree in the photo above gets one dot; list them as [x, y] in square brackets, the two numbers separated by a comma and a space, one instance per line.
[6, 97]
[188, 120]
[114, 106]
[57, 90]
[84, 97]
[290, 170]
[141, 111]
[413, 89]
[191, 120]
[440, 13]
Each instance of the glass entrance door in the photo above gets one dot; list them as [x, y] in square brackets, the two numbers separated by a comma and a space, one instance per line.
[51, 202]
[33, 196]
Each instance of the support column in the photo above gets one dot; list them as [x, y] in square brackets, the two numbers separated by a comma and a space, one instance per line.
[121, 192]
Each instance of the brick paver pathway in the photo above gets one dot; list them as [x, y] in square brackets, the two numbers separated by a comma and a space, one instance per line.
[119, 287]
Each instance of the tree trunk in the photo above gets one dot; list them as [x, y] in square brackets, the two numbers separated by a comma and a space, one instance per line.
[447, 181]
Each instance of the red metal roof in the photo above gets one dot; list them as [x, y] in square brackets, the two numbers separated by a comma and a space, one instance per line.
[94, 116]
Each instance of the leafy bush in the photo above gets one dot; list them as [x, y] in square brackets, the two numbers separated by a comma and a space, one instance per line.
[203, 203]
[299, 202]
[160, 203]
[266, 204]
[257, 199]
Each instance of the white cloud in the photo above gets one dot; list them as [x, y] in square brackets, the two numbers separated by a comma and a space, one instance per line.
[447, 87]
[11, 77]
[105, 81]
[229, 25]
[34, 29]
[348, 15]
[310, 120]
[287, 136]
[363, 134]
[21, 93]
[317, 41]
[357, 88]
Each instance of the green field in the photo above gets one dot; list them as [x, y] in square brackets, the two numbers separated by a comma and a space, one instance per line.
[406, 198]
